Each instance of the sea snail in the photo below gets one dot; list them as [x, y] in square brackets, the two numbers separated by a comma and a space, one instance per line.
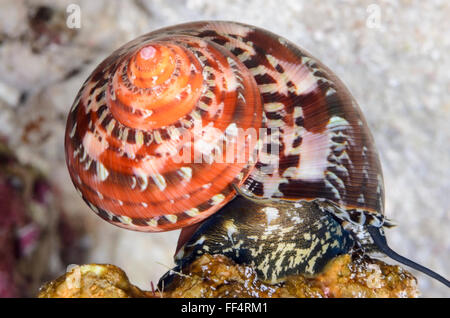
[247, 142]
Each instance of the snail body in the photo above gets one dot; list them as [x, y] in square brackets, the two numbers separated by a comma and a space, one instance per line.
[152, 144]
[276, 237]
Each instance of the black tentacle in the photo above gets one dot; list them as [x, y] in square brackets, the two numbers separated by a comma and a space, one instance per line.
[380, 240]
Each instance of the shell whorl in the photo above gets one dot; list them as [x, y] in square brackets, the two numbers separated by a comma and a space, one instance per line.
[146, 108]
[155, 87]
[121, 136]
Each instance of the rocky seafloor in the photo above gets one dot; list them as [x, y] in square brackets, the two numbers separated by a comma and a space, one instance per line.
[393, 56]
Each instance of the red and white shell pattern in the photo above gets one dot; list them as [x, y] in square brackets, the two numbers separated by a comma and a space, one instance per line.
[124, 129]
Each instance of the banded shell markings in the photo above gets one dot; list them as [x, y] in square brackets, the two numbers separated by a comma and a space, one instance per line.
[325, 149]
[141, 111]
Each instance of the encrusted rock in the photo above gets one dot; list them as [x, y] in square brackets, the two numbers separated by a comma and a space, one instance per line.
[92, 281]
[218, 276]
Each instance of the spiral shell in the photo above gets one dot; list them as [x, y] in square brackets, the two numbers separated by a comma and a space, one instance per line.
[154, 96]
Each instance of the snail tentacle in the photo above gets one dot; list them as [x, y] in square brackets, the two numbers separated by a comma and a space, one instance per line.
[380, 240]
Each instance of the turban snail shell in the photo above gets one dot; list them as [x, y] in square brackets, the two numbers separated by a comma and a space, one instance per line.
[231, 122]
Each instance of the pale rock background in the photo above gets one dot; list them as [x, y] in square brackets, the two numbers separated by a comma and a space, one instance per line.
[393, 56]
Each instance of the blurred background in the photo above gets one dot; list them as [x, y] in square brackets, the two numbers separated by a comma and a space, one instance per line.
[393, 56]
